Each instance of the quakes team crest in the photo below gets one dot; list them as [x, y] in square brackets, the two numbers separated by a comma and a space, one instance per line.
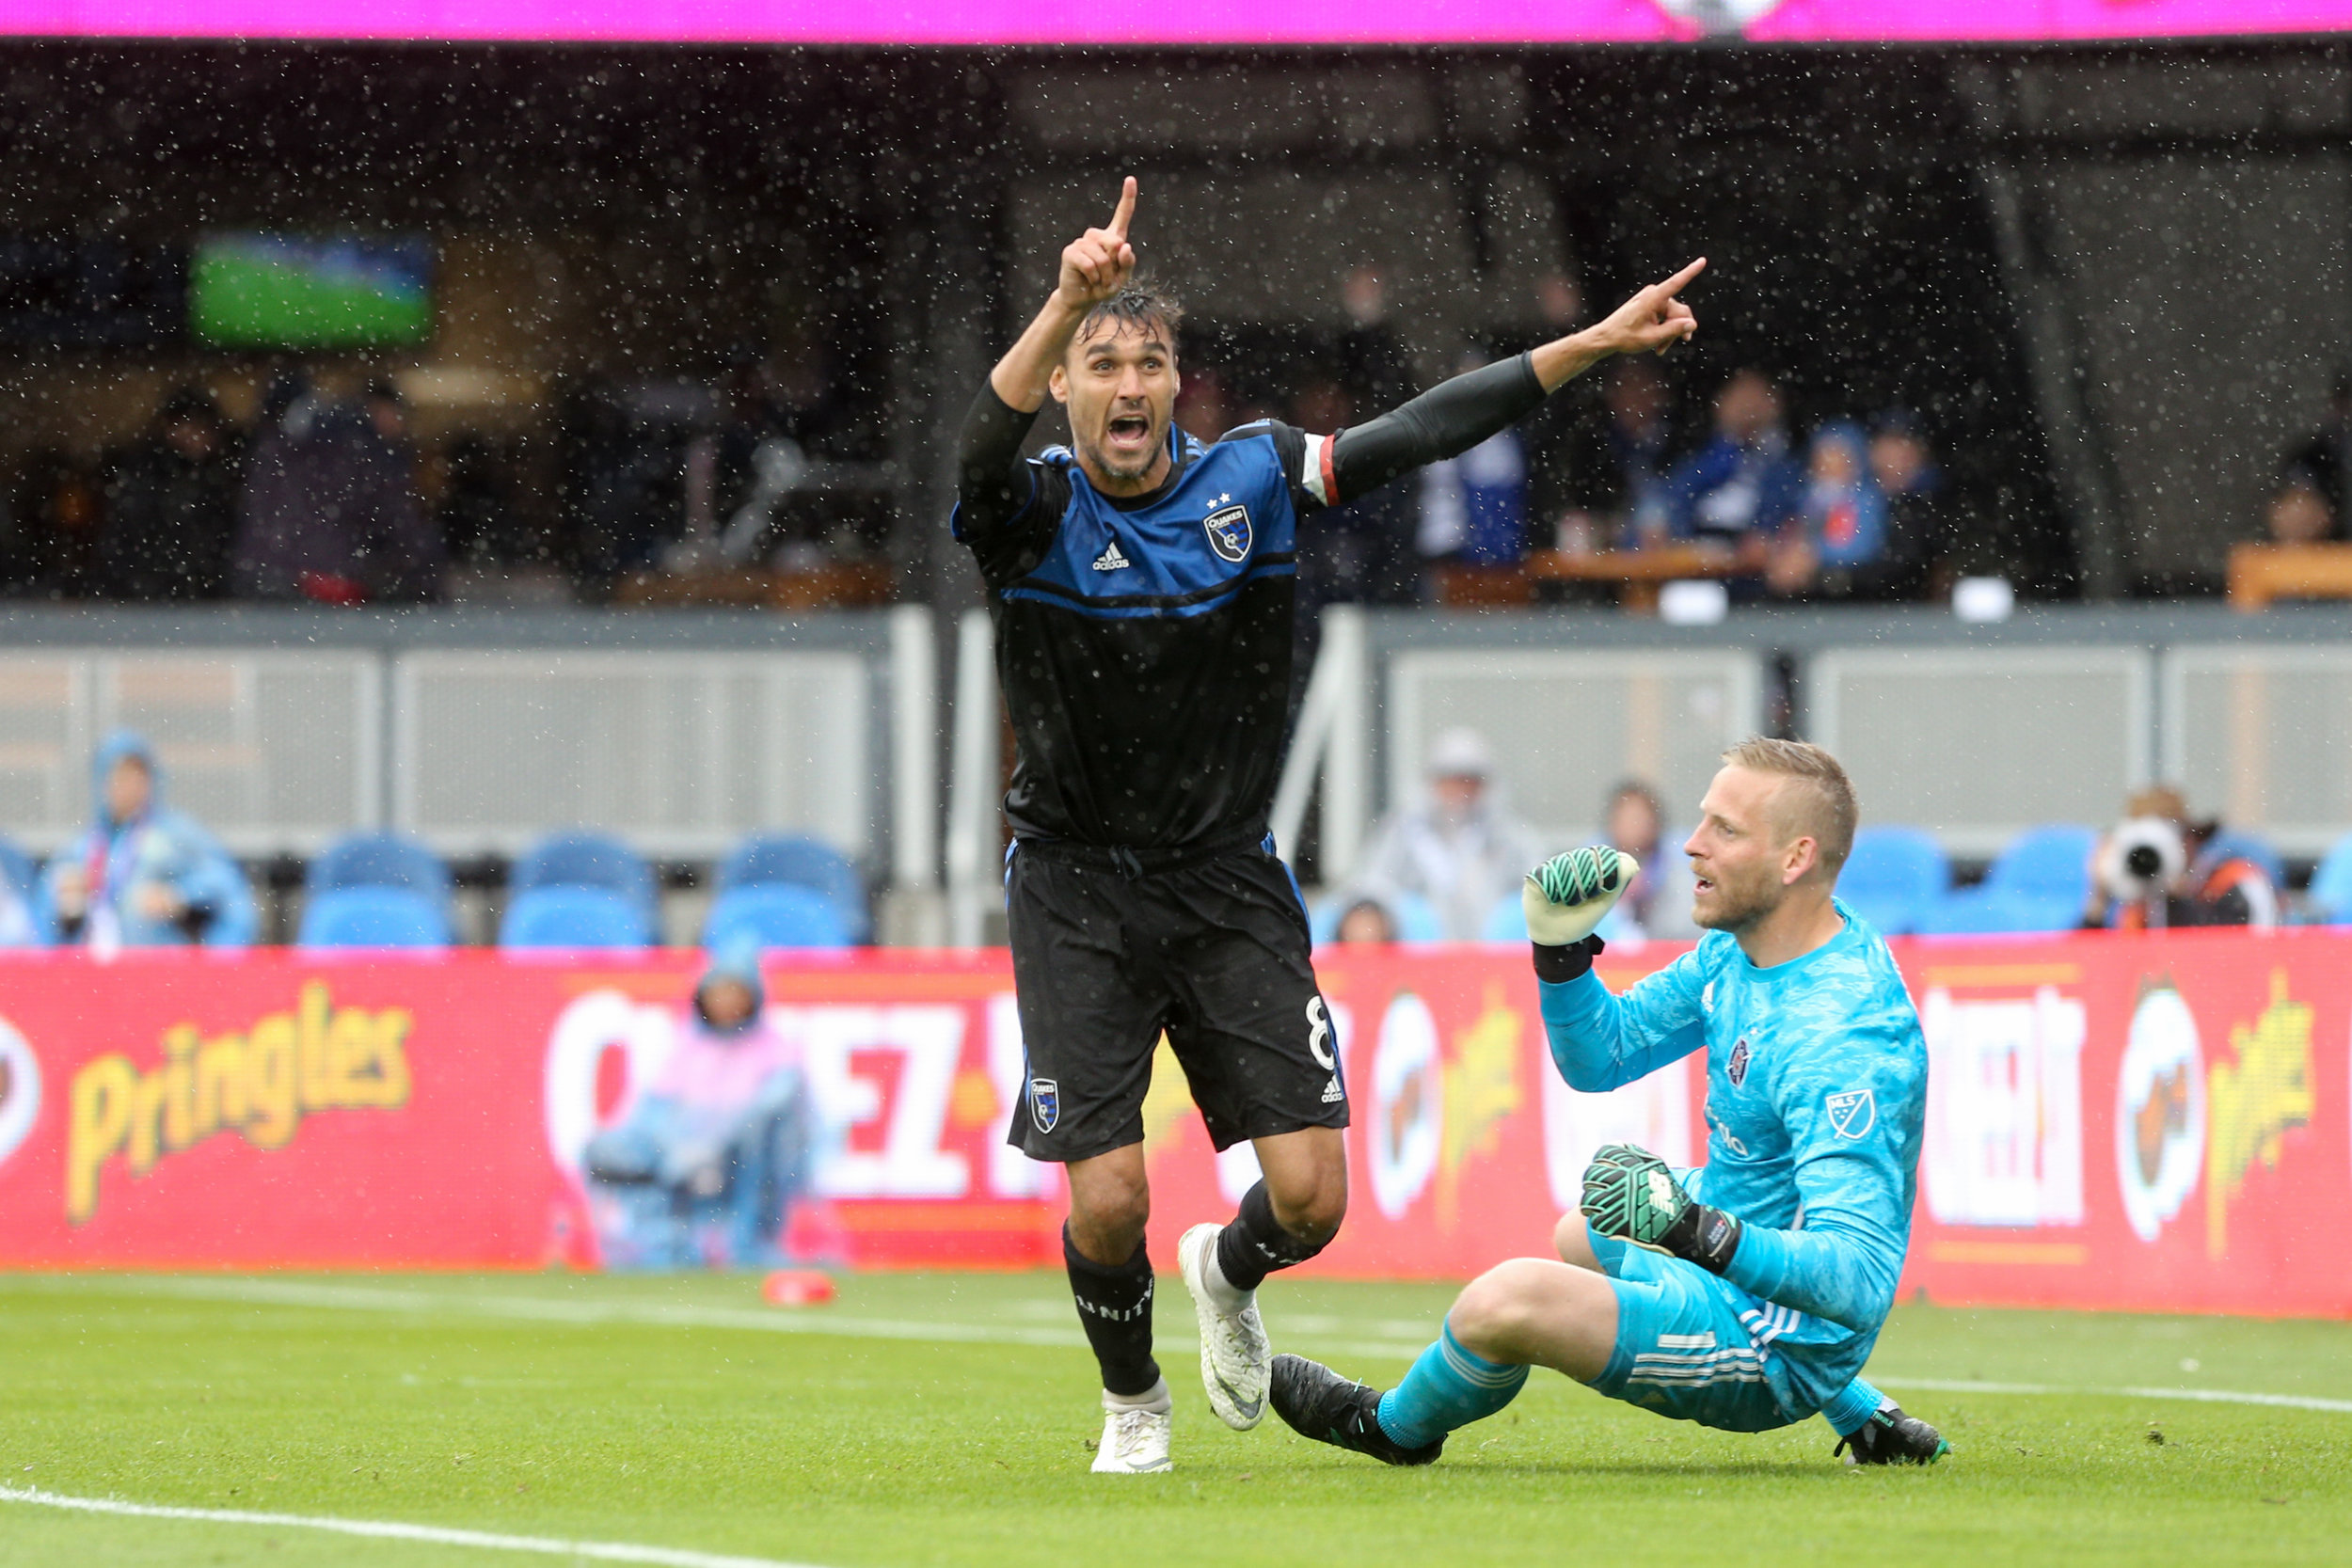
[1044, 1103]
[1228, 529]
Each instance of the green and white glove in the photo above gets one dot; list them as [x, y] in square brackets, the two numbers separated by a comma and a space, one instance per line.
[1570, 894]
[1632, 1195]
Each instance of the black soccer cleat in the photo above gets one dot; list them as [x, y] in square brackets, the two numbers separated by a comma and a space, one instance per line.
[1319, 1403]
[1891, 1437]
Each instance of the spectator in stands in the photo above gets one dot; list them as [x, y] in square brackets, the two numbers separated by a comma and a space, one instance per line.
[330, 510]
[144, 874]
[1918, 529]
[1371, 356]
[706, 1162]
[1742, 490]
[1639, 431]
[1460, 850]
[2322, 458]
[1658, 902]
[1366, 920]
[2192, 873]
[2298, 513]
[171, 505]
[1474, 508]
[1838, 545]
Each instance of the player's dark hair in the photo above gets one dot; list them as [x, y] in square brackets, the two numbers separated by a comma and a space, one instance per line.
[1830, 815]
[1138, 305]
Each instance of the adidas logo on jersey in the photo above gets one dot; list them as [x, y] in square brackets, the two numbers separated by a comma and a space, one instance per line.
[1111, 561]
[1333, 1093]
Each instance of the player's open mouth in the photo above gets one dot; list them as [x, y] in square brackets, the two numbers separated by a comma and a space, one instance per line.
[1130, 430]
[1703, 885]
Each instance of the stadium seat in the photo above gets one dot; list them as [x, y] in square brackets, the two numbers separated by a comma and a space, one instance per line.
[1416, 919]
[2247, 844]
[2330, 894]
[378, 859]
[775, 915]
[373, 917]
[585, 859]
[793, 860]
[574, 916]
[18, 881]
[1895, 876]
[2040, 883]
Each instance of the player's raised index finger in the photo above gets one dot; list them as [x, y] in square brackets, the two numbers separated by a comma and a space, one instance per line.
[1126, 209]
[1674, 285]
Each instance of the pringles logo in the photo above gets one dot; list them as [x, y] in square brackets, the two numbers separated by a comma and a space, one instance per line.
[261, 1082]
[2252, 1101]
[2159, 1112]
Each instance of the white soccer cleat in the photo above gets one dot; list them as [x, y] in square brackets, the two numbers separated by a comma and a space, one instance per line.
[1135, 1442]
[1235, 1359]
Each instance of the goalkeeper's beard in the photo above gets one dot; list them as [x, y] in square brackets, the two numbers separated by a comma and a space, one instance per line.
[1735, 909]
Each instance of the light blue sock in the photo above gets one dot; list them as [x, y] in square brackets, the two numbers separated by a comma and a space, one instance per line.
[1449, 1386]
[1852, 1406]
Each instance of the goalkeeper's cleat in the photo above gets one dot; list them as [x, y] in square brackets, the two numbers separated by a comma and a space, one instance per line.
[1319, 1403]
[1134, 1441]
[1568, 896]
[1233, 1348]
[1891, 1437]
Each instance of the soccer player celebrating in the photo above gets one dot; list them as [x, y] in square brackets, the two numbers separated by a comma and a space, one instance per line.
[1745, 1295]
[1142, 582]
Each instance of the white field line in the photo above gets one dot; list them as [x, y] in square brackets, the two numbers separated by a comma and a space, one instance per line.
[370, 1298]
[386, 1529]
[2198, 1396]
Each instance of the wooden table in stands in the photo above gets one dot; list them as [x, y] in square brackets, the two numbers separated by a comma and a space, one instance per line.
[1637, 573]
[2261, 573]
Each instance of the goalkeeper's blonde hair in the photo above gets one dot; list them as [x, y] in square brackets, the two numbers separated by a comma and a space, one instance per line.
[1823, 809]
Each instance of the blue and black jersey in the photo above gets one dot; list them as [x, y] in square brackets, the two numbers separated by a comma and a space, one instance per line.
[1144, 642]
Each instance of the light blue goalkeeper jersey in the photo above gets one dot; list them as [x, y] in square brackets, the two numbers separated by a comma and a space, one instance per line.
[1817, 1081]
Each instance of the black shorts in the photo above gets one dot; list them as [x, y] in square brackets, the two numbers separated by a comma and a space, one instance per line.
[1108, 951]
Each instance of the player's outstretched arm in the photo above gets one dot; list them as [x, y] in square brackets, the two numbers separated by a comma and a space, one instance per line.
[1094, 266]
[993, 486]
[1454, 416]
[1599, 1040]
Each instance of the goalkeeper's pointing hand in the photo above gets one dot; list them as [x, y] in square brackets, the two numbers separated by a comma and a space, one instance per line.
[1632, 1195]
[1569, 894]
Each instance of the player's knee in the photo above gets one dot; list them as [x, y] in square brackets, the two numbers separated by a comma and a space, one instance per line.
[1108, 1217]
[1499, 1309]
[1312, 1205]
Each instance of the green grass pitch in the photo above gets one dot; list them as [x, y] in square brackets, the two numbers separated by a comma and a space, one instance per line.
[944, 1420]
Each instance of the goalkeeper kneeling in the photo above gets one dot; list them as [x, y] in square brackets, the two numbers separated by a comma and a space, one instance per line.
[1745, 1295]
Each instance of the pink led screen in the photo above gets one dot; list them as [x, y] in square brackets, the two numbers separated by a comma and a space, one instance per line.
[1165, 21]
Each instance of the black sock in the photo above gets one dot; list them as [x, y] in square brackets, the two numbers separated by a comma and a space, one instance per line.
[1255, 1244]
[1115, 1308]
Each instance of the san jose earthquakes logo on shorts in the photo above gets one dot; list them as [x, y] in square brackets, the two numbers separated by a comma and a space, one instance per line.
[1737, 1068]
[1228, 529]
[1044, 1103]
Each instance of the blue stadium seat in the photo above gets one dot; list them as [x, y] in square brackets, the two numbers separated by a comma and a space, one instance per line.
[572, 916]
[18, 881]
[774, 915]
[379, 860]
[2247, 844]
[2040, 883]
[1895, 876]
[2330, 894]
[373, 917]
[793, 860]
[585, 859]
[1416, 920]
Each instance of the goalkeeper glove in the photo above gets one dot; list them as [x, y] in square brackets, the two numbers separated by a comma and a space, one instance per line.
[1632, 1195]
[1565, 898]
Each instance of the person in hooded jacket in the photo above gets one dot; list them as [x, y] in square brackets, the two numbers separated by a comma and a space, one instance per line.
[704, 1167]
[143, 875]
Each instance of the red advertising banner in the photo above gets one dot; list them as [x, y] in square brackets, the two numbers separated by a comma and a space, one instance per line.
[2160, 1121]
